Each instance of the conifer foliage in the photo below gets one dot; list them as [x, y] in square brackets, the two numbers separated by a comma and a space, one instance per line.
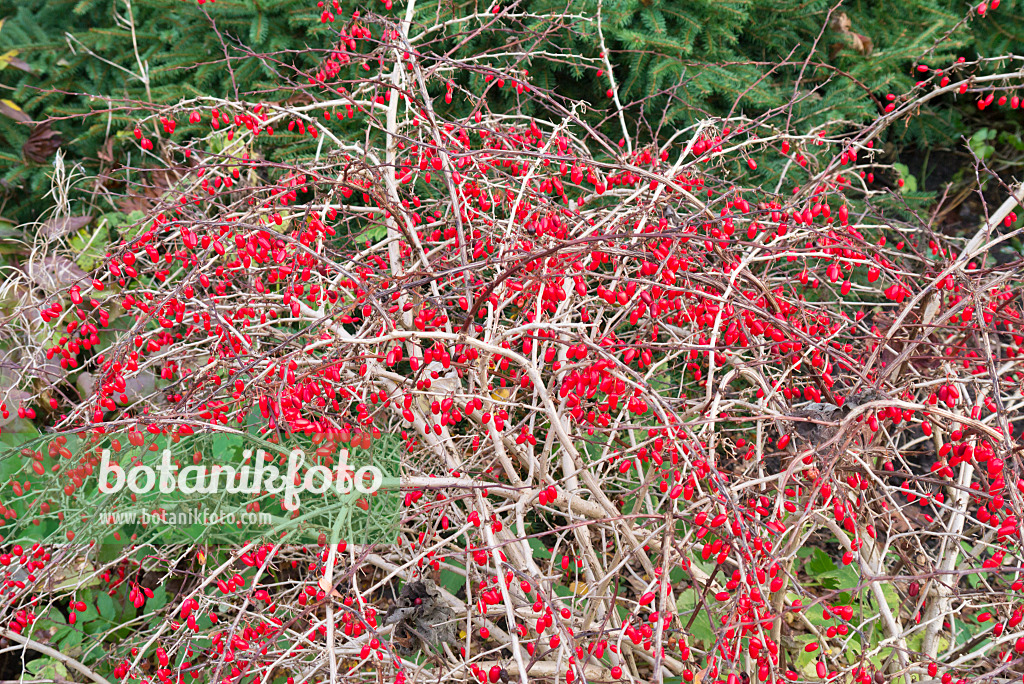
[673, 63]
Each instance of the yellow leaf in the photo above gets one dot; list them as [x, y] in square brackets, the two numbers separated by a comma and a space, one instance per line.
[501, 393]
[78, 574]
[13, 111]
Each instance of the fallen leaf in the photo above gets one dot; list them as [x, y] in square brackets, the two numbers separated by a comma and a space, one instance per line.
[78, 573]
[10, 58]
[64, 225]
[54, 272]
[420, 615]
[41, 143]
[841, 24]
[862, 43]
[13, 111]
[501, 394]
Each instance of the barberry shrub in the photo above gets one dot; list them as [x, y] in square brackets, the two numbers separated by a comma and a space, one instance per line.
[712, 407]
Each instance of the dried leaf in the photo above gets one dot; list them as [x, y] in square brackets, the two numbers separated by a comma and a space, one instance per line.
[41, 143]
[10, 58]
[420, 615]
[106, 153]
[13, 111]
[54, 272]
[841, 24]
[21, 65]
[159, 182]
[78, 572]
[862, 43]
[86, 384]
[817, 423]
[64, 225]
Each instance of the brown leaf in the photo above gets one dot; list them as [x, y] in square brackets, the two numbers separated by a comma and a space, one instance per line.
[299, 98]
[106, 153]
[862, 44]
[13, 111]
[64, 225]
[21, 65]
[41, 144]
[11, 59]
[159, 182]
[420, 613]
[841, 24]
[54, 272]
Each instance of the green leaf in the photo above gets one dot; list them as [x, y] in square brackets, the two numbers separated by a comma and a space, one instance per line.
[845, 577]
[539, 550]
[159, 599]
[803, 658]
[1013, 139]
[90, 613]
[701, 628]
[91, 246]
[979, 142]
[819, 563]
[45, 668]
[374, 234]
[68, 637]
[891, 597]
[106, 605]
[452, 581]
[909, 182]
[52, 618]
[853, 650]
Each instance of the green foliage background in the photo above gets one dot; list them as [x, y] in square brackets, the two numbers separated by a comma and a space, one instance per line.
[78, 48]
[716, 56]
